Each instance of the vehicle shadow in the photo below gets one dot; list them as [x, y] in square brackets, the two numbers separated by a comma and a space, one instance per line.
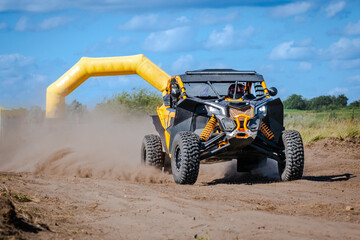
[244, 178]
[262, 175]
[330, 178]
[250, 179]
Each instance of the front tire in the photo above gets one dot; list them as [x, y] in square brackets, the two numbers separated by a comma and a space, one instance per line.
[185, 161]
[292, 166]
[151, 151]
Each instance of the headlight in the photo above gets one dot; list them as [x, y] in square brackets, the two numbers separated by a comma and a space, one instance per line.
[214, 110]
[253, 124]
[228, 124]
[262, 110]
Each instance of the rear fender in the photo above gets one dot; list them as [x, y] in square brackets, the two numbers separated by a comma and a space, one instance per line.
[161, 131]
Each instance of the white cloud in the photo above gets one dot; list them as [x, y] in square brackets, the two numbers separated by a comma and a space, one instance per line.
[250, 30]
[183, 63]
[221, 39]
[343, 54]
[305, 66]
[176, 39]
[352, 29]
[292, 50]
[16, 69]
[337, 91]
[20, 80]
[13, 67]
[142, 22]
[9, 61]
[23, 24]
[156, 22]
[291, 9]
[153, 22]
[343, 49]
[228, 38]
[345, 64]
[32, 6]
[54, 22]
[209, 18]
[334, 8]
[115, 5]
[3, 25]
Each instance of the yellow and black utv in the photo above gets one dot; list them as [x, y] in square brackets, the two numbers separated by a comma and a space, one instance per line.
[217, 115]
[207, 116]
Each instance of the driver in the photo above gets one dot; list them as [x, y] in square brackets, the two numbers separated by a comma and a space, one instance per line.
[239, 91]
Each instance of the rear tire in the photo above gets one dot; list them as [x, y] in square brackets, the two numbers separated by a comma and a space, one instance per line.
[292, 166]
[185, 161]
[151, 151]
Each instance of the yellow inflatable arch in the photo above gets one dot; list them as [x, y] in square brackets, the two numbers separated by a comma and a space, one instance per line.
[92, 67]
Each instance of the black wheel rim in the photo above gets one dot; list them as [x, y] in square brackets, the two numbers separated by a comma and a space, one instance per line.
[178, 158]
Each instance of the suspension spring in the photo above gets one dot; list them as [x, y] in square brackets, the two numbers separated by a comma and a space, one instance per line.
[266, 131]
[209, 128]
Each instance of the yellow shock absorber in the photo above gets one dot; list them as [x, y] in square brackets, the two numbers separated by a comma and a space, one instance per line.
[209, 128]
[266, 131]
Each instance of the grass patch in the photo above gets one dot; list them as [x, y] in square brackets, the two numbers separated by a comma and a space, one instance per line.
[314, 126]
[21, 198]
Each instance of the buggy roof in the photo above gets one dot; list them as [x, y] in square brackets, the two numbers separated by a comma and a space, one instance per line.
[220, 75]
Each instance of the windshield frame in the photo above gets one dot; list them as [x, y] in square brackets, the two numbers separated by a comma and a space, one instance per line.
[217, 93]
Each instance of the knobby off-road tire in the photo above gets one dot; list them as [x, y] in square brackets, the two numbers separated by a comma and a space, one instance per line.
[151, 151]
[185, 160]
[293, 165]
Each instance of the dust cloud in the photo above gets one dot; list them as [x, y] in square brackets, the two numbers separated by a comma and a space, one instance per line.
[105, 146]
[100, 146]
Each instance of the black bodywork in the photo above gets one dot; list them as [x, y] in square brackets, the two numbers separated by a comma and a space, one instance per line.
[192, 114]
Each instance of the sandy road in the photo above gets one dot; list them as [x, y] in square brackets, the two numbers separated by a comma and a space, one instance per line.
[323, 205]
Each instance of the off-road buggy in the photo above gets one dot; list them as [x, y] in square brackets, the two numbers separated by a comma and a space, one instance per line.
[217, 115]
[207, 116]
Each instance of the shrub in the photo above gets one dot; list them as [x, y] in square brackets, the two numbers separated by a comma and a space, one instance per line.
[138, 100]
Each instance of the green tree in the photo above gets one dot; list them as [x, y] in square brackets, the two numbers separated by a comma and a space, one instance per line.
[355, 104]
[341, 101]
[322, 103]
[295, 102]
[75, 109]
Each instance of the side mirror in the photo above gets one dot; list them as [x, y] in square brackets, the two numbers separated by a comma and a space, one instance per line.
[273, 91]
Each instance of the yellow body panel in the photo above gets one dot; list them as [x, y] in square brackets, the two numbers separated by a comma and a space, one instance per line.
[161, 113]
[92, 67]
[165, 117]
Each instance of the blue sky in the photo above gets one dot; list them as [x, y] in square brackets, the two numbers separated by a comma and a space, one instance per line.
[310, 48]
